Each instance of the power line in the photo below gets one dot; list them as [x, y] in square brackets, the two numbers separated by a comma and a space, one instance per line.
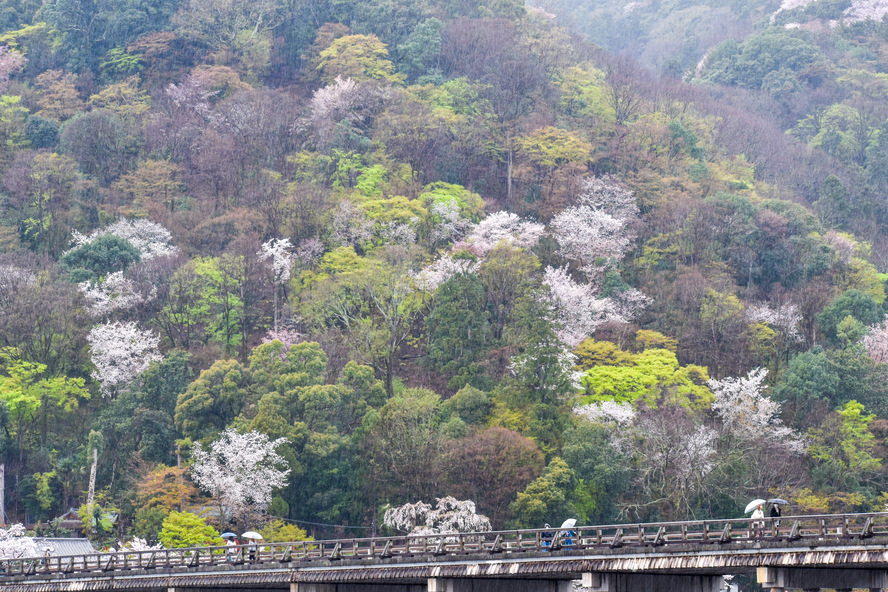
[321, 523]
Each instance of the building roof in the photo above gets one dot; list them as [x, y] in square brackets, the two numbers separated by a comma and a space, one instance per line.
[60, 547]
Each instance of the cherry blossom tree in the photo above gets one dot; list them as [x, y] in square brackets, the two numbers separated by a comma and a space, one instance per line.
[120, 352]
[151, 239]
[501, 228]
[343, 100]
[449, 224]
[14, 544]
[10, 61]
[448, 516]
[784, 317]
[116, 292]
[595, 232]
[876, 344]
[578, 311]
[351, 226]
[240, 471]
[442, 270]
[280, 252]
[747, 412]
[607, 412]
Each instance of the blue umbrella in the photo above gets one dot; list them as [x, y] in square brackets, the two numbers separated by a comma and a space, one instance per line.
[777, 500]
[228, 535]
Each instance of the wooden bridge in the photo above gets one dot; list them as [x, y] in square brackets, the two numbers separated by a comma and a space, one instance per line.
[808, 552]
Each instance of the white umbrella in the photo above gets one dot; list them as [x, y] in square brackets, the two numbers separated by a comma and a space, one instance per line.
[753, 505]
[569, 523]
[251, 535]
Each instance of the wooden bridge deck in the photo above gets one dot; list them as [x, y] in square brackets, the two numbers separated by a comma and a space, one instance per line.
[710, 546]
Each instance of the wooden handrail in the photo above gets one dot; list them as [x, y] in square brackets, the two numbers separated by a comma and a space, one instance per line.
[702, 532]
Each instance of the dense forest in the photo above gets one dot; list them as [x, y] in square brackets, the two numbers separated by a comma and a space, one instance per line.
[531, 257]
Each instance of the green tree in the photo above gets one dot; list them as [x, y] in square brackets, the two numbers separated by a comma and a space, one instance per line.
[98, 258]
[546, 496]
[852, 303]
[458, 330]
[211, 402]
[844, 449]
[359, 57]
[183, 529]
[603, 473]
[30, 396]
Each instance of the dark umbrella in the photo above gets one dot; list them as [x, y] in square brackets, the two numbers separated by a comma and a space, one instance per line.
[777, 500]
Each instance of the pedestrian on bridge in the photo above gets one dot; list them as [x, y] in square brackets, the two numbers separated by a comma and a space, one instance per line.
[758, 518]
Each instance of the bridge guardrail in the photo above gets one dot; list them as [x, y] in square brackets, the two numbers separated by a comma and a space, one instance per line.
[829, 526]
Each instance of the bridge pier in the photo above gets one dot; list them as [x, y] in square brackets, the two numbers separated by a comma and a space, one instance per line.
[629, 582]
[815, 579]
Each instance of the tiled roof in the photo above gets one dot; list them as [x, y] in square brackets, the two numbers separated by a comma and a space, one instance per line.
[64, 546]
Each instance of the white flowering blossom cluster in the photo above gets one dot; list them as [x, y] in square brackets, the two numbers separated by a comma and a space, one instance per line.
[578, 310]
[607, 412]
[240, 470]
[138, 544]
[149, 238]
[785, 318]
[280, 252]
[14, 544]
[501, 228]
[398, 233]
[876, 344]
[447, 517]
[450, 226]
[116, 292]
[351, 226]
[12, 277]
[748, 412]
[120, 351]
[442, 270]
[343, 100]
[595, 232]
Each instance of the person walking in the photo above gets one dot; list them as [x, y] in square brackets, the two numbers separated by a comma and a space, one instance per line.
[774, 514]
[546, 537]
[758, 521]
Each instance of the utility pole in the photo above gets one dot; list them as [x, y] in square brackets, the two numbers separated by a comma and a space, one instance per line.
[2, 497]
[91, 496]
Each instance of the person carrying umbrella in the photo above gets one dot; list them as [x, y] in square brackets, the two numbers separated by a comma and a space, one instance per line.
[758, 517]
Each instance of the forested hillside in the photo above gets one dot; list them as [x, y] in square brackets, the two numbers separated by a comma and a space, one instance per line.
[428, 248]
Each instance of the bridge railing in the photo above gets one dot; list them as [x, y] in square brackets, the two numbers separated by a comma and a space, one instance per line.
[577, 539]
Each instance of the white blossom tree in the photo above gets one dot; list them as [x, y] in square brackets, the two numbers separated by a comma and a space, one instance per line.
[501, 228]
[120, 351]
[785, 318]
[578, 311]
[595, 232]
[280, 252]
[14, 544]
[149, 238]
[444, 268]
[343, 100]
[351, 226]
[448, 516]
[876, 344]
[449, 224]
[607, 412]
[116, 292]
[748, 413]
[240, 471]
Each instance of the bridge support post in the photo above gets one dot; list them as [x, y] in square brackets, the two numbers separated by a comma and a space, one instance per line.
[818, 578]
[626, 582]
